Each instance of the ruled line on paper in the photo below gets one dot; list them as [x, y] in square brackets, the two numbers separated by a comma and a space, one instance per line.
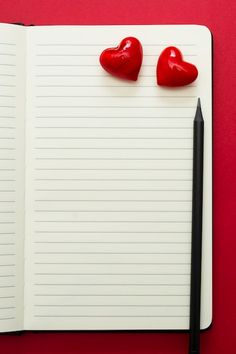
[9, 96]
[110, 159]
[114, 200]
[109, 106]
[107, 138]
[103, 232]
[93, 55]
[111, 252]
[112, 169]
[103, 148]
[118, 127]
[7, 244]
[7, 138]
[112, 295]
[110, 190]
[7, 254]
[109, 221]
[7, 148]
[7, 191]
[9, 75]
[101, 274]
[109, 211]
[109, 284]
[7, 64]
[107, 179]
[113, 242]
[82, 75]
[8, 43]
[7, 286]
[8, 54]
[108, 44]
[82, 65]
[7, 233]
[112, 96]
[85, 65]
[73, 85]
[128, 305]
[109, 316]
[112, 263]
[110, 117]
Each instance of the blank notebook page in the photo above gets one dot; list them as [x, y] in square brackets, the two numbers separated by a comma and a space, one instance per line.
[109, 182]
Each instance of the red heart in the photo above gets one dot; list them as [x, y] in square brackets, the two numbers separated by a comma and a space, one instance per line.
[125, 60]
[172, 70]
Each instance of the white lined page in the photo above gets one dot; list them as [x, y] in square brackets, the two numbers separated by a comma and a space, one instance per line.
[109, 182]
[12, 79]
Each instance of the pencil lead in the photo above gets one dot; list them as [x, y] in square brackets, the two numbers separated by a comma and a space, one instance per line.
[198, 114]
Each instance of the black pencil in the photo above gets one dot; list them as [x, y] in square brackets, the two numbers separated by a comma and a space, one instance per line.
[196, 251]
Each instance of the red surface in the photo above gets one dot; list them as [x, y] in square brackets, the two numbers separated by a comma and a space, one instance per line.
[219, 16]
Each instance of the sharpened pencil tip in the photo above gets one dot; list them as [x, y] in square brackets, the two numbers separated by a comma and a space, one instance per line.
[198, 115]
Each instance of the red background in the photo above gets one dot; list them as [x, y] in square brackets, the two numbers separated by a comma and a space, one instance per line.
[219, 16]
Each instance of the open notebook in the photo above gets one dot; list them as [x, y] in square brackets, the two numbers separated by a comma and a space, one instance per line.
[96, 180]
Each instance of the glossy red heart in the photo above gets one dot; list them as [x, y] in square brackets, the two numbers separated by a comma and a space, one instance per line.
[125, 60]
[172, 70]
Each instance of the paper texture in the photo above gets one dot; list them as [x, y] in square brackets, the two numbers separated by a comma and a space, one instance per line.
[110, 180]
[12, 99]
